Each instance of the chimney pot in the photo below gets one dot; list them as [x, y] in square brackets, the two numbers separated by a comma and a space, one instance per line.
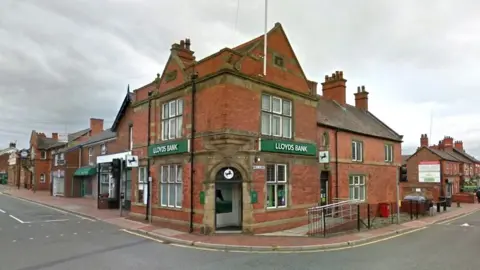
[182, 44]
[361, 98]
[55, 136]
[187, 44]
[334, 87]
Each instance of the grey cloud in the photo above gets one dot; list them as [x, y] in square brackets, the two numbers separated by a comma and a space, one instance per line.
[71, 60]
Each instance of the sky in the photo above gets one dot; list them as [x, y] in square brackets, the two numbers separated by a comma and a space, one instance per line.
[63, 62]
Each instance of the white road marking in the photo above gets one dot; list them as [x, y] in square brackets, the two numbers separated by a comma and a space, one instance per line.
[85, 218]
[465, 225]
[14, 241]
[88, 232]
[2, 211]
[17, 219]
[46, 221]
[74, 233]
[459, 217]
[61, 234]
[47, 236]
[31, 238]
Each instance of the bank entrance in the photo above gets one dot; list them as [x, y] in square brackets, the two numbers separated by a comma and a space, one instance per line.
[228, 200]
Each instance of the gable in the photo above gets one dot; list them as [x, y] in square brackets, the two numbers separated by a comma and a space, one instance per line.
[289, 75]
[173, 74]
[123, 108]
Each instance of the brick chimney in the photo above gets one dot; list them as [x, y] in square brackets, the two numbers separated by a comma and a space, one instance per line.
[55, 136]
[183, 50]
[334, 87]
[423, 140]
[96, 126]
[458, 145]
[361, 98]
[447, 142]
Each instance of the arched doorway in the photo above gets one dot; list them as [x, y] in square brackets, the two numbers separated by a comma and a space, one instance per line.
[228, 199]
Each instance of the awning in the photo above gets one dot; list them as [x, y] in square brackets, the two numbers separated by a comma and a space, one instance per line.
[85, 171]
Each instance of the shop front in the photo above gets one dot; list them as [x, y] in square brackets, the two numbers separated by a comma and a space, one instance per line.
[58, 177]
[112, 186]
[87, 181]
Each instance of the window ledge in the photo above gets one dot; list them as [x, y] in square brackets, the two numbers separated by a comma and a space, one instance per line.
[179, 209]
[274, 209]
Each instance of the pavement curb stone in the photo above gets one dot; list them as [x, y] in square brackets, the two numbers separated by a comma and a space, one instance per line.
[225, 247]
[52, 206]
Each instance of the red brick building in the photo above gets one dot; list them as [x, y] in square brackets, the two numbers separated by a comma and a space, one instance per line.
[441, 169]
[256, 140]
[65, 158]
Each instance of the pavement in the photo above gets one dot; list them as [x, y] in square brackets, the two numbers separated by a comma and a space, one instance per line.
[36, 237]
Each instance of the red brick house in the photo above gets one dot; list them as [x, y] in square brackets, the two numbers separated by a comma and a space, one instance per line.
[440, 169]
[256, 140]
[66, 159]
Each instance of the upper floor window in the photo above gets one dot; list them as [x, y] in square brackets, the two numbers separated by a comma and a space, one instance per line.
[276, 116]
[357, 151]
[90, 156]
[43, 154]
[130, 137]
[103, 149]
[325, 140]
[172, 113]
[388, 152]
[56, 159]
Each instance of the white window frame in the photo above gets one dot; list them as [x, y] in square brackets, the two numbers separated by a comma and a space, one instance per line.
[169, 181]
[130, 137]
[281, 113]
[388, 150]
[103, 149]
[141, 183]
[357, 151]
[357, 183]
[90, 156]
[43, 178]
[43, 154]
[56, 159]
[275, 182]
[172, 119]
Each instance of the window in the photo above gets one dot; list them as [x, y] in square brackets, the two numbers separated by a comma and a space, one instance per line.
[276, 117]
[130, 137]
[142, 183]
[90, 156]
[357, 151]
[104, 183]
[56, 159]
[171, 192]
[42, 178]
[278, 61]
[172, 119]
[103, 149]
[325, 140]
[388, 152]
[43, 154]
[357, 187]
[276, 185]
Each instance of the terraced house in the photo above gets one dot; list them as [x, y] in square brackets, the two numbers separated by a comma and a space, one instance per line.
[442, 169]
[229, 148]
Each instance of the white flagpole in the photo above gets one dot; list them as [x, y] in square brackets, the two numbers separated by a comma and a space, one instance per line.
[265, 41]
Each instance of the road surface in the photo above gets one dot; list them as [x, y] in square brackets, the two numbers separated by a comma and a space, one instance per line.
[35, 237]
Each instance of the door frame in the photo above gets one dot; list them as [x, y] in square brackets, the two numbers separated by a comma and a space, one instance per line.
[239, 187]
[327, 181]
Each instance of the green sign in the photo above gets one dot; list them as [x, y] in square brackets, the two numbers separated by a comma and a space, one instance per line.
[202, 197]
[169, 148]
[253, 197]
[288, 147]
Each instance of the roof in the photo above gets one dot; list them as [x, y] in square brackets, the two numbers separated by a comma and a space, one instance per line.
[78, 134]
[105, 135]
[45, 143]
[349, 118]
[404, 158]
[126, 101]
[465, 154]
[448, 154]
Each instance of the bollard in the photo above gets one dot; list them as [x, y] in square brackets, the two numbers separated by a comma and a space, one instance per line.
[438, 207]
[444, 206]
[458, 204]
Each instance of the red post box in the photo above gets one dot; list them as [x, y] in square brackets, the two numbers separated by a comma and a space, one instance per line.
[384, 210]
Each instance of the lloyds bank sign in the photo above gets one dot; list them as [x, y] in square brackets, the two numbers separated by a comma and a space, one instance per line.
[288, 147]
[169, 148]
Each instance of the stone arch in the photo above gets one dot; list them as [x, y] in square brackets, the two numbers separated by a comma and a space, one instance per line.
[217, 167]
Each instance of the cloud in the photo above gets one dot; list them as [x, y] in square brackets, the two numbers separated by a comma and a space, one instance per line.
[62, 62]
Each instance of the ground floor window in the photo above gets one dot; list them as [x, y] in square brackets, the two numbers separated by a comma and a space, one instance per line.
[141, 184]
[276, 185]
[104, 184]
[357, 187]
[171, 192]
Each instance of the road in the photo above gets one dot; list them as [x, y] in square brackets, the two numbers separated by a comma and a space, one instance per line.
[35, 237]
